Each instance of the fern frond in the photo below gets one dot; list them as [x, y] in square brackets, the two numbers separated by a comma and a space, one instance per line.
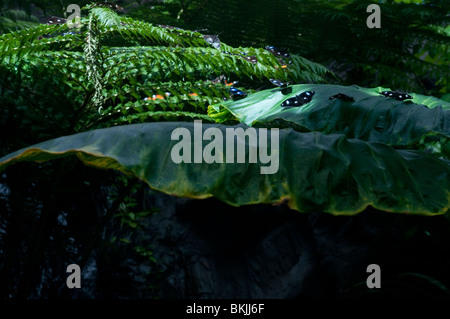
[176, 66]
[105, 16]
[186, 91]
[149, 34]
[19, 42]
[167, 115]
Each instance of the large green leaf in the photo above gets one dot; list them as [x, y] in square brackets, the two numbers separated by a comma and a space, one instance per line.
[370, 117]
[316, 172]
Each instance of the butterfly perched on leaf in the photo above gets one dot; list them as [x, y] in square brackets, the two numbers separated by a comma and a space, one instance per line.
[252, 59]
[283, 64]
[155, 97]
[278, 52]
[218, 79]
[279, 83]
[230, 83]
[70, 33]
[281, 54]
[222, 78]
[106, 4]
[56, 20]
[168, 27]
[298, 100]
[397, 95]
[282, 85]
[342, 96]
[237, 94]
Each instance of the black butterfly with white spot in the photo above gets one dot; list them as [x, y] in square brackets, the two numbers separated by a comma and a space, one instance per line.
[342, 96]
[397, 95]
[237, 94]
[298, 100]
[271, 49]
[284, 86]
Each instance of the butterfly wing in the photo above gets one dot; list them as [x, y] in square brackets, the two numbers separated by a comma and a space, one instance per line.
[237, 94]
[400, 96]
[56, 20]
[298, 100]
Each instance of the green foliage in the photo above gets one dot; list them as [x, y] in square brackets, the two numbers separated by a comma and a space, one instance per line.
[56, 81]
[102, 79]
[317, 172]
[338, 157]
[335, 34]
[405, 285]
[370, 117]
[92, 53]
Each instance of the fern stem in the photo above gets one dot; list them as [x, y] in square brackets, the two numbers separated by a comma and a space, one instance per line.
[92, 55]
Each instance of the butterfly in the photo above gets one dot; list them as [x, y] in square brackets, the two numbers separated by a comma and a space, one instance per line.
[155, 97]
[342, 97]
[237, 94]
[107, 4]
[252, 59]
[278, 52]
[230, 83]
[213, 40]
[222, 78]
[282, 85]
[397, 95]
[56, 20]
[281, 54]
[298, 100]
